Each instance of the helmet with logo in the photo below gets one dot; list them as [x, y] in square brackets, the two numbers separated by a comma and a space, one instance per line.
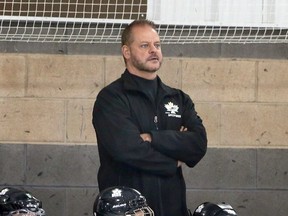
[211, 209]
[14, 201]
[121, 201]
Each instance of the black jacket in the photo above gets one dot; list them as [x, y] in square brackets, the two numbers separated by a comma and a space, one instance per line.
[121, 113]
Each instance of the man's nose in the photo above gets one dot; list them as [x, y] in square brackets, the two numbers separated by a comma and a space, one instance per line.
[152, 48]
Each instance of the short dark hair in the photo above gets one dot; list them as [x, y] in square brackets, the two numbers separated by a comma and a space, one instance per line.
[126, 38]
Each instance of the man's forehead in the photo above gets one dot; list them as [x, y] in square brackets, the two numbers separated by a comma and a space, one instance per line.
[142, 28]
[145, 34]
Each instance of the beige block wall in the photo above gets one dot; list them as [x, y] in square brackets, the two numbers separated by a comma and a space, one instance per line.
[49, 98]
[220, 79]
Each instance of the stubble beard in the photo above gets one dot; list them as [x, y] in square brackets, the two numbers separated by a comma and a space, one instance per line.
[143, 66]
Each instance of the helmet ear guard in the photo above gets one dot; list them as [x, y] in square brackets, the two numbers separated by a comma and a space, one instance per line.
[211, 209]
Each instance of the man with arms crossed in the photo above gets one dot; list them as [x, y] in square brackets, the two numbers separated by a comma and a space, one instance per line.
[145, 129]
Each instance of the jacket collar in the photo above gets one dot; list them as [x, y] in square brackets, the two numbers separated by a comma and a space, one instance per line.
[129, 84]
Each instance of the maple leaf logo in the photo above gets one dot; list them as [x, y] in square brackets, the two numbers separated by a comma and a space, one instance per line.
[116, 193]
[172, 108]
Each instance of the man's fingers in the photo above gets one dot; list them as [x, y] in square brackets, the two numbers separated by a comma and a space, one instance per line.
[146, 137]
[183, 128]
[179, 163]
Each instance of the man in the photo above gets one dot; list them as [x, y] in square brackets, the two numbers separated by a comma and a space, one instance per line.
[145, 129]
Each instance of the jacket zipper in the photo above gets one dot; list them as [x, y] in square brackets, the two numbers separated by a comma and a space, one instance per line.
[159, 179]
[156, 122]
[156, 113]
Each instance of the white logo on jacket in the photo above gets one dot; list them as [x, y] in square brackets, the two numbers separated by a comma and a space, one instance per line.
[172, 110]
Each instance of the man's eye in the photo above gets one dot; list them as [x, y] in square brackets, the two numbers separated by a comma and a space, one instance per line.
[157, 46]
[144, 45]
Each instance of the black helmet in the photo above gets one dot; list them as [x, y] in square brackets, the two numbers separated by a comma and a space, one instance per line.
[121, 201]
[211, 209]
[15, 201]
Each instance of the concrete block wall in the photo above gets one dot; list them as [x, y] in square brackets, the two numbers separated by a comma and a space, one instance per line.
[48, 144]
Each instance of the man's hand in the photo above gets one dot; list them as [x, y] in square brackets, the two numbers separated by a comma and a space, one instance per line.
[181, 129]
[179, 163]
[146, 137]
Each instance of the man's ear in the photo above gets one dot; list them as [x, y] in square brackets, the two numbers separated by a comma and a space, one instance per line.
[126, 51]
